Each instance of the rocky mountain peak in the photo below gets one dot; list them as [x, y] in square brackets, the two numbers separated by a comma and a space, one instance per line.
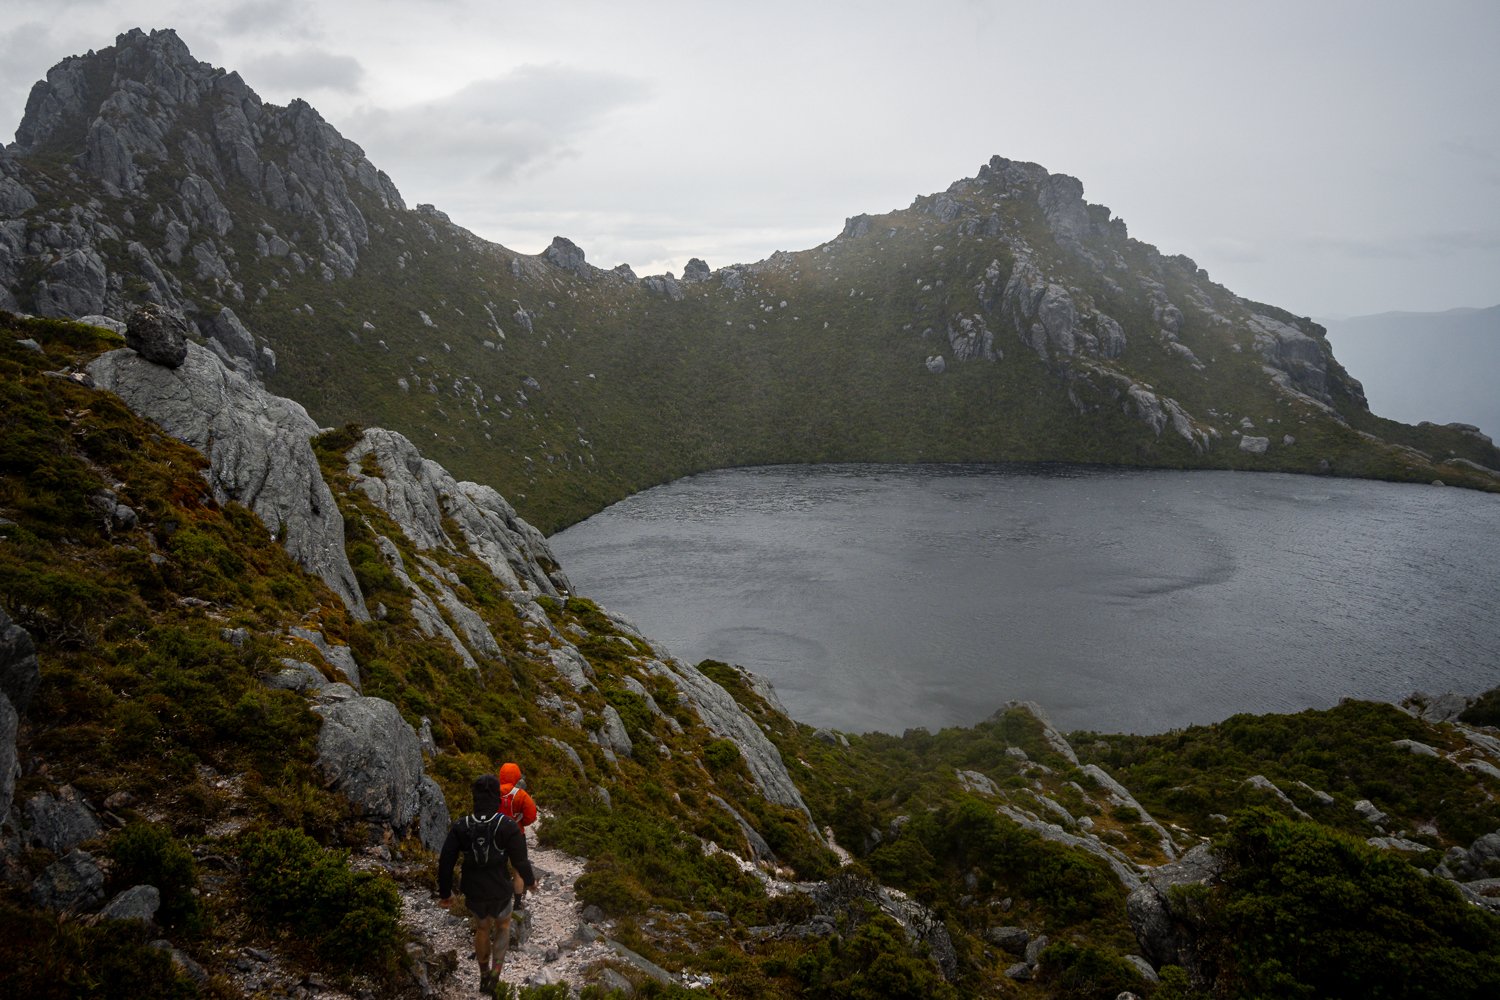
[178, 140]
[157, 67]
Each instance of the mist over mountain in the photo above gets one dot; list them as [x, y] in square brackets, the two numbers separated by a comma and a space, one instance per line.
[1442, 367]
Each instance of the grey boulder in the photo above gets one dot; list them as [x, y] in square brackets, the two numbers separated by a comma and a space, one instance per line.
[9, 761]
[74, 883]
[59, 823]
[158, 335]
[369, 754]
[19, 673]
[1165, 922]
[139, 902]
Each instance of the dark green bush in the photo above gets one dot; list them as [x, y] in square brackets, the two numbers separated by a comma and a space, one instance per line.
[721, 755]
[1308, 912]
[146, 854]
[1082, 972]
[1485, 711]
[640, 856]
[46, 957]
[349, 918]
[874, 963]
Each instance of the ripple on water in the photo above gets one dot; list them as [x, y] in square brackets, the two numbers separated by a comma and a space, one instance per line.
[890, 597]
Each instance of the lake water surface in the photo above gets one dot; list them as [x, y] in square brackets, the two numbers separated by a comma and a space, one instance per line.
[888, 597]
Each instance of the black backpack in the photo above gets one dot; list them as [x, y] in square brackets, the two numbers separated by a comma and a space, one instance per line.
[483, 833]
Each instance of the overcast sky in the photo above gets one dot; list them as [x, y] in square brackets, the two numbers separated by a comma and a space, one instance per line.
[1333, 158]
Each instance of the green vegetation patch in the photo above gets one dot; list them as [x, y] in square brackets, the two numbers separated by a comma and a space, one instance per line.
[1304, 911]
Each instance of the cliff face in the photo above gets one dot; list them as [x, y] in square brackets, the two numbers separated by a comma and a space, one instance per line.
[1003, 318]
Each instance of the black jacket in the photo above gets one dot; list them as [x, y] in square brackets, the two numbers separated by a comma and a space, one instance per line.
[490, 880]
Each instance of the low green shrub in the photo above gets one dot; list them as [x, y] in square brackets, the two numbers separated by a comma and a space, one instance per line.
[721, 755]
[1308, 912]
[349, 918]
[144, 853]
[1485, 711]
[47, 957]
[1082, 972]
[873, 963]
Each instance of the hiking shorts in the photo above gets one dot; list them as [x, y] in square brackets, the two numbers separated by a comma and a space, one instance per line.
[498, 908]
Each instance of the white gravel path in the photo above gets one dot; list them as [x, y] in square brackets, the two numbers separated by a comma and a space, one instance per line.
[552, 949]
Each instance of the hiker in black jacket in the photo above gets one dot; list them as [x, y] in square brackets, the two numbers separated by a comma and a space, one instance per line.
[487, 839]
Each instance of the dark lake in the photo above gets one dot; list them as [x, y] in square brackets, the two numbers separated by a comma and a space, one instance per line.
[888, 597]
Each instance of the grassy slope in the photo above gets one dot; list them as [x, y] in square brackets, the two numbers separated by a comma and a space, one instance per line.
[142, 694]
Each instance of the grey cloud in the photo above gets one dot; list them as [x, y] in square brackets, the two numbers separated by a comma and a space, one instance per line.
[1228, 248]
[1409, 246]
[1446, 244]
[504, 125]
[1360, 248]
[307, 69]
[257, 16]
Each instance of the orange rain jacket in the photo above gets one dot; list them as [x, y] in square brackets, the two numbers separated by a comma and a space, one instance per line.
[515, 801]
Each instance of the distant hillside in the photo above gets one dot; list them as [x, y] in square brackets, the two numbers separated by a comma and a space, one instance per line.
[1003, 318]
[1441, 367]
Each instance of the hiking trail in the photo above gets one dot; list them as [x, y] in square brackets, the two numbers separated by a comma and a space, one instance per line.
[554, 946]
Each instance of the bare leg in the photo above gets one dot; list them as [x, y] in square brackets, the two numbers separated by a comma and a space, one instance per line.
[500, 944]
[483, 927]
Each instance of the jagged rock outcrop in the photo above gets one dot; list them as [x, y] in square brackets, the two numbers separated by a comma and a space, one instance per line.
[237, 343]
[971, 340]
[663, 284]
[723, 717]
[373, 757]
[419, 494]
[1302, 358]
[1120, 796]
[856, 226]
[1158, 412]
[612, 735]
[339, 657]
[1041, 312]
[424, 610]
[695, 270]
[565, 255]
[143, 116]
[258, 450]
[1167, 923]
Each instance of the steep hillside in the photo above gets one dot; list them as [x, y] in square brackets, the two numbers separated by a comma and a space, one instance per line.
[1004, 318]
[230, 742]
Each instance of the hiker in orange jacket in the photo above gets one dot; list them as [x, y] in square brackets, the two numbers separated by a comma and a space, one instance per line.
[516, 803]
